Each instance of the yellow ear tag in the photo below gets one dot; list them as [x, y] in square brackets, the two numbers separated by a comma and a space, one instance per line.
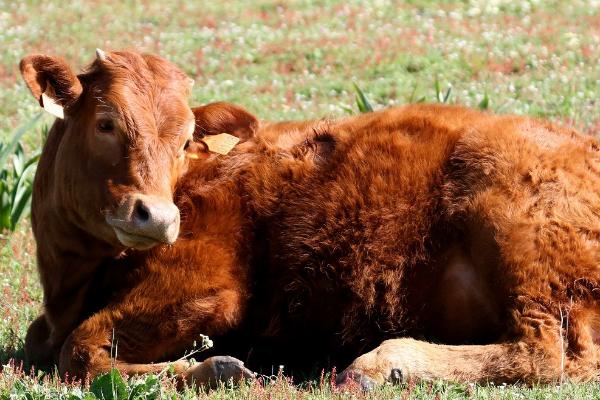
[52, 107]
[221, 143]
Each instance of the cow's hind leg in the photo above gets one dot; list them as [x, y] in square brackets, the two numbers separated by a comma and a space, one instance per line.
[398, 360]
[545, 353]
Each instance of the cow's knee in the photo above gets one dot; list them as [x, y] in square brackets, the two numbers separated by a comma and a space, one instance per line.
[39, 351]
[82, 356]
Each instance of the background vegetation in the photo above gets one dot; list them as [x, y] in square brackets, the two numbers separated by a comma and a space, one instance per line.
[283, 60]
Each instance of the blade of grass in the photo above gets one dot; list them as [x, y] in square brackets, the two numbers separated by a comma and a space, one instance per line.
[21, 204]
[447, 95]
[21, 196]
[438, 92]
[361, 100]
[484, 104]
[10, 148]
[412, 94]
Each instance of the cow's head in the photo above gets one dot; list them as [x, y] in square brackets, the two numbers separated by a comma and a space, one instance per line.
[122, 145]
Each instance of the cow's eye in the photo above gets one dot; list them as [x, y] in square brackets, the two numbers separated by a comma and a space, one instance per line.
[105, 126]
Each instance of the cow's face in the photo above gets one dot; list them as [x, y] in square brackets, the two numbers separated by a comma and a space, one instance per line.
[126, 133]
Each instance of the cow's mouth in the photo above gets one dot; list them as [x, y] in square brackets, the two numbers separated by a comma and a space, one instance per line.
[133, 240]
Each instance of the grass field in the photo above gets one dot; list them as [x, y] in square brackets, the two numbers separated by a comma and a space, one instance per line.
[298, 59]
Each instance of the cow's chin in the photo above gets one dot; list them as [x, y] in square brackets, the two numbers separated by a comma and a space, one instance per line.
[134, 241]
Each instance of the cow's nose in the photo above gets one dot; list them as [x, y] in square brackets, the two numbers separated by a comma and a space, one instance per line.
[142, 221]
[155, 218]
[141, 213]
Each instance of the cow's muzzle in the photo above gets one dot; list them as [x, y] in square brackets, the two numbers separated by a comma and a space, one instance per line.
[143, 221]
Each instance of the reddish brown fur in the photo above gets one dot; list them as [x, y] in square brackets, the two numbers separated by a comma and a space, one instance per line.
[77, 181]
[324, 238]
[85, 174]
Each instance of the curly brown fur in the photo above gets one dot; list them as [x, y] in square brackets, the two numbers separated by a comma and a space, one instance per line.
[467, 244]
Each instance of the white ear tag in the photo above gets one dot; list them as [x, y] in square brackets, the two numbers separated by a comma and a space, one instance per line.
[52, 107]
[221, 143]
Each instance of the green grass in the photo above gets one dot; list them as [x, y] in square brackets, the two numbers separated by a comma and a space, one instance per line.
[299, 59]
[16, 178]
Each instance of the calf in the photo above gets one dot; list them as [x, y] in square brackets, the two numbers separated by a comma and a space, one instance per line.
[467, 243]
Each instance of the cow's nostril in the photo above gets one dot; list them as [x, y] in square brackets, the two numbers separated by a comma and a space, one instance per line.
[141, 212]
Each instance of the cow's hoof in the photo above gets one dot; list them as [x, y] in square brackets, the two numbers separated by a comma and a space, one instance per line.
[226, 368]
[214, 370]
[348, 380]
[396, 376]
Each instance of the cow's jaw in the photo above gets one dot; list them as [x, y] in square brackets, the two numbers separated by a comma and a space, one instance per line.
[134, 241]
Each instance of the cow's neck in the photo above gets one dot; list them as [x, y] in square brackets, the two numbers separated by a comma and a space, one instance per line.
[251, 182]
[68, 256]
[237, 195]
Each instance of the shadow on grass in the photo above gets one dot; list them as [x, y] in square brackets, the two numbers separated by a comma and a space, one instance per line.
[15, 356]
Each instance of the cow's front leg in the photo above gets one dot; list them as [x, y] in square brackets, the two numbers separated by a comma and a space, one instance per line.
[66, 281]
[47, 333]
[39, 351]
[134, 334]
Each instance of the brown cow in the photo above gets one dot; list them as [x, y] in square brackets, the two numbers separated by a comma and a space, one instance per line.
[105, 184]
[478, 235]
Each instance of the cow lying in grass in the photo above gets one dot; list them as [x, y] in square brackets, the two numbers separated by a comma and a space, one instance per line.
[436, 241]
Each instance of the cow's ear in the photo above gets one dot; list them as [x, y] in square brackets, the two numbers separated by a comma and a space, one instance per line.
[52, 77]
[221, 117]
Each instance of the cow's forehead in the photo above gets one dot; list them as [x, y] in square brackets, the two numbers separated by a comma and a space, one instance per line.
[144, 78]
[148, 95]
[162, 113]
